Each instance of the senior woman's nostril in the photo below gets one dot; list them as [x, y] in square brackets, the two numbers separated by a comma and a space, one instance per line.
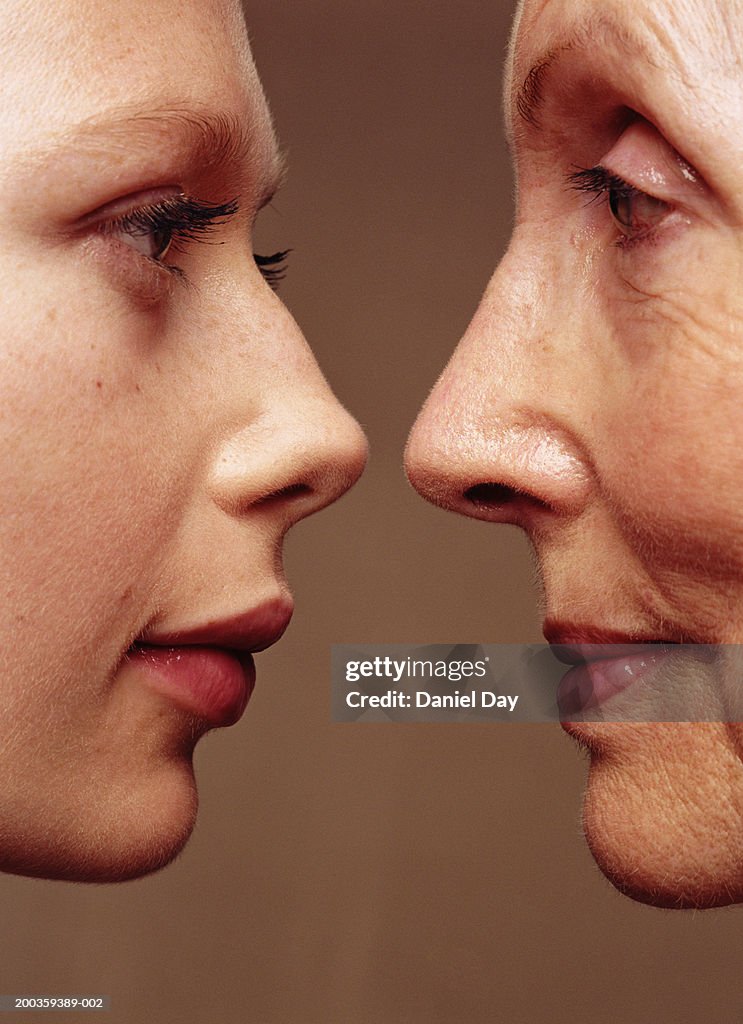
[490, 495]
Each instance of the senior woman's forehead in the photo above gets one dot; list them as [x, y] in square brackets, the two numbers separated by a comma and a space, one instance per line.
[708, 30]
[65, 63]
[684, 57]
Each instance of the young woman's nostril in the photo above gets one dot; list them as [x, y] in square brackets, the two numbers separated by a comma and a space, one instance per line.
[286, 493]
[490, 495]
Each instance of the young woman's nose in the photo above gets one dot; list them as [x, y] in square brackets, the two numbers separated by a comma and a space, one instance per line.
[273, 446]
[302, 452]
[497, 438]
[287, 446]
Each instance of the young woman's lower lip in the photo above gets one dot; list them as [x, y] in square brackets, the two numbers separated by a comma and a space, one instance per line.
[591, 684]
[210, 683]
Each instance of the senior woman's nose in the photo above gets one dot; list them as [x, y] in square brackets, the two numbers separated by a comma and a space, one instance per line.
[495, 439]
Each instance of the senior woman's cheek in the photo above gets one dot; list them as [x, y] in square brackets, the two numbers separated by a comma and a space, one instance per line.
[670, 431]
[663, 812]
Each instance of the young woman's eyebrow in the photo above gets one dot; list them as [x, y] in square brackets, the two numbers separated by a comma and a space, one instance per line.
[194, 139]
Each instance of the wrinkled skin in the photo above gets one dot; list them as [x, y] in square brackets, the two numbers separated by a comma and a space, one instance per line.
[158, 433]
[595, 399]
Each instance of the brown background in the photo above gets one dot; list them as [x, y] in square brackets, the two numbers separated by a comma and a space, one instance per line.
[381, 874]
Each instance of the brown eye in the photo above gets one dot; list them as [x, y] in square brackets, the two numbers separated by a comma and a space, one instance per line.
[635, 212]
[151, 241]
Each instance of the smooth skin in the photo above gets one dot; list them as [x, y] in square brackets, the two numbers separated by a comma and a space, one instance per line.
[159, 432]
[595, 399]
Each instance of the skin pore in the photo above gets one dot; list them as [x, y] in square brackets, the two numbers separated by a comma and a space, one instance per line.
[594, 400]
[163, 422]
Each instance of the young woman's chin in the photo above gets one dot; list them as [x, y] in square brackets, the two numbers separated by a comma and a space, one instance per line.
[121, 833]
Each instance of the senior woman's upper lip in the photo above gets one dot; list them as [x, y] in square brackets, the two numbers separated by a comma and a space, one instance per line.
[250, 631]
[575, 643]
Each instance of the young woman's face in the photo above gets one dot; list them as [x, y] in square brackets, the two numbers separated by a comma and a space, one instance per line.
[596, 398]
[160, 428]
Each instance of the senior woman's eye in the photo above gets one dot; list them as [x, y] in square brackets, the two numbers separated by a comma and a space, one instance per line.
[634, 212]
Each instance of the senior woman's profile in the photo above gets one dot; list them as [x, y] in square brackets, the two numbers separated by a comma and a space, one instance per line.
[162, 424]
[595, 400]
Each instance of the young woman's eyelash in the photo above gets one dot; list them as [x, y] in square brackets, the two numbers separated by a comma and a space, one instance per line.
[183, 218]
[273, 267]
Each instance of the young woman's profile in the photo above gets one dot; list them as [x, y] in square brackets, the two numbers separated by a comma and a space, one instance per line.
[162, 424]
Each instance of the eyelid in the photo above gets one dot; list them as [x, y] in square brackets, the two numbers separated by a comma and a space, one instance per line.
[644, 160]
[188, 219]
[597, 181]
[120, 207]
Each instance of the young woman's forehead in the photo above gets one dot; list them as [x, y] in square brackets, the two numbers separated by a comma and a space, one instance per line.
[161, 54]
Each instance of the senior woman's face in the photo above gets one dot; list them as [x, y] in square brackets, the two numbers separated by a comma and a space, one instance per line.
[162, 421]
[595, 400]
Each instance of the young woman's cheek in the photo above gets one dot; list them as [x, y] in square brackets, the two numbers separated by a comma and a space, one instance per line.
[119, 267]
[88, 384]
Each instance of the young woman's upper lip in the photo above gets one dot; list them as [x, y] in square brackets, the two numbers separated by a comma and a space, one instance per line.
[575, 643]
[249, 631]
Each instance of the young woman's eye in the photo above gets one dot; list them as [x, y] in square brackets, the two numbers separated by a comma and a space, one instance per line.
[153, 242]
[169, 223]
[635, 213]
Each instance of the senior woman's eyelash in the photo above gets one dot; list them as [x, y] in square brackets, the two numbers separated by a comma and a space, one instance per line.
[597, 182]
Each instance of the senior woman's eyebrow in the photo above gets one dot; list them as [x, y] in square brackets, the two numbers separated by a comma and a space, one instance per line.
[600, 28]
[205, 140]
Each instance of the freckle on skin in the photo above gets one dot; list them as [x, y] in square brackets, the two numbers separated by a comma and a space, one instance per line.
[99, 383]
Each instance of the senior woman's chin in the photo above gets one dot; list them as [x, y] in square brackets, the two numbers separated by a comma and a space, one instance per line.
[663, 810]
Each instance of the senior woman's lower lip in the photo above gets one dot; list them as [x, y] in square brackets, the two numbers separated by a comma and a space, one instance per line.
[593, 682]
[209, 682]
